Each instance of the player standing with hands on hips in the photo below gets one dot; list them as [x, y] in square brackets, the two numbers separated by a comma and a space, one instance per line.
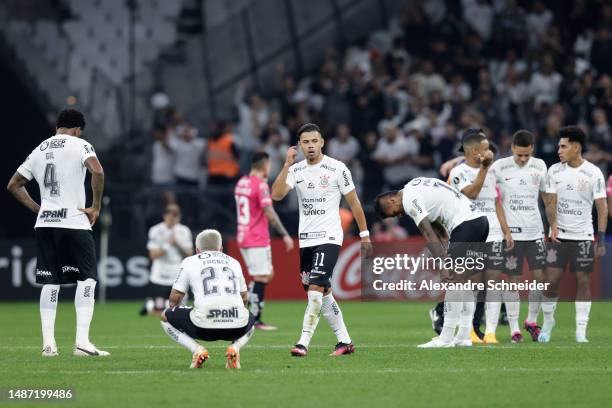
[320, 182]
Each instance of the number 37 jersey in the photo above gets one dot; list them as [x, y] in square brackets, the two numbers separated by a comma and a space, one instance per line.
[58, 165]
[216, 281]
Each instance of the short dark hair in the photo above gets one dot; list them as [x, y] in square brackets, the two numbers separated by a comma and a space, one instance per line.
[258, 159]
[574, 134]
[523, 138]
[308, 127]
[70, 118]
[471, 136]
[378, 207]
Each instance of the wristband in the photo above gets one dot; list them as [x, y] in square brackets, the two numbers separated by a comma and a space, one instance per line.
[364, 234]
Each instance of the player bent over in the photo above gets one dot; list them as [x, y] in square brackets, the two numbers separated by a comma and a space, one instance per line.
[428, 201]
[220, 296]
[320, 182]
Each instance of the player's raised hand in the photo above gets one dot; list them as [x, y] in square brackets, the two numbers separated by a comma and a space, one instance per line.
[486, 159]
[92, 214]
[291, 154]
[288, 241]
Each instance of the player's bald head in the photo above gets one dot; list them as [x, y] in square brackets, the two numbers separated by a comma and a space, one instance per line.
[209, 240]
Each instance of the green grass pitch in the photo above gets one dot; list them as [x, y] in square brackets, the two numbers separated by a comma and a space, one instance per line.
[147, 369]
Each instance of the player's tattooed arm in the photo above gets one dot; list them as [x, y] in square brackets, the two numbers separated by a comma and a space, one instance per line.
[602, 224]
[550, 204]
[435, 246]
[501, 216]
[176, 297]
[16, 187]
[97, 186]
[278, 226]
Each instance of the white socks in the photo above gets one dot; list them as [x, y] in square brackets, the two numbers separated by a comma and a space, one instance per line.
[492, 309]
[582, 317]
[332, 313]
[466, 315]
[513, 306]
[311, 317]
[242, 341]
[180, 337]
[535, 298]
[548, 310]
[453, 304]
[48, 307]
[84, 304]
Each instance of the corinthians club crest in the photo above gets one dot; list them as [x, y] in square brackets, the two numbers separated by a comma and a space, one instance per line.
[324, 182]
[511, 262]
[551, 256]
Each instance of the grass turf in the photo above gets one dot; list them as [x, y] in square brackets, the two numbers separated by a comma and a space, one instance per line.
[147, 369]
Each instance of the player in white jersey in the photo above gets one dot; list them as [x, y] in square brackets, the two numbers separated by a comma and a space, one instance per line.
[64, 240]
[320, 182]
[169, 242]
[522, 180]
[472, 178]
[428, 202]
[219, 302]
[574, 185]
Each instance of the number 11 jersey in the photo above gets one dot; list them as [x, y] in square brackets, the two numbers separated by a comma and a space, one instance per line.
[58, 165]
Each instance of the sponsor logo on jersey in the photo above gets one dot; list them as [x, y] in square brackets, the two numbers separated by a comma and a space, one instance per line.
[327, 167]
[312, 235]
[231, 313]
[54, 216]
[310, 185]
[49, 156]
[417, 206]
[324, 181]
[56, 144]
[346, 179]
[569, 187]
[68, 268]
[523, 182]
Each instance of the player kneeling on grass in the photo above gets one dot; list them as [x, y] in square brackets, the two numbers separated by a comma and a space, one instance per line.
[220, 296]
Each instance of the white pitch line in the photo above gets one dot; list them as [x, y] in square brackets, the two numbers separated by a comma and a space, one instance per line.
[302, 371]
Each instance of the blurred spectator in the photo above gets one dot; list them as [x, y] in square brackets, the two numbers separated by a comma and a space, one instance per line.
[538, 21]
[253, 116]
[276, 148]
[343, 146]
[388, 230]
[544, 84]
[392, 152]
[479, 15]
[188, 150]
[601, 51]
[162, 163]
[222, 157]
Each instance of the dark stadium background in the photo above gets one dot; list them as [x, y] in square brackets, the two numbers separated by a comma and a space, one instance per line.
[125, 64]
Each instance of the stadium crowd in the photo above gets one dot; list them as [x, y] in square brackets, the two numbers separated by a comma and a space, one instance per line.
[394, 106]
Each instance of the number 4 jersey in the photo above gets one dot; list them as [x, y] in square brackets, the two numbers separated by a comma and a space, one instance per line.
[58, 165]
[216, 281]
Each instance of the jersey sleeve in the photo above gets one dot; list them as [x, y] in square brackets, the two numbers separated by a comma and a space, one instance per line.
[415, 208]
[458, 179]
[152, 242]
[27, 167]
[550, 183]
[345, 179]
[494, 171]
[182, 283]
[290, 177]
[599, 190]
[186, 239]
[87, 151]
[263, 195]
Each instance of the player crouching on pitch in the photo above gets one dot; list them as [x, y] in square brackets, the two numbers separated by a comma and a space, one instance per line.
[220, 296]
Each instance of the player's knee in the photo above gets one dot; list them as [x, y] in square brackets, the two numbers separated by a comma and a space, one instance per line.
[582, 280]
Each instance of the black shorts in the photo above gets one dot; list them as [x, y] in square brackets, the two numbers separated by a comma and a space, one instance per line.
[65, 256]
[179, 318]
[159, 291]
[468, 239]
[317, 264]
[533, 251]
[495, 255]
[580, 255]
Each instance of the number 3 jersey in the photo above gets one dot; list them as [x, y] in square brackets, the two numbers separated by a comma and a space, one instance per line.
[319, 189]
[216, 281]
[58, 165]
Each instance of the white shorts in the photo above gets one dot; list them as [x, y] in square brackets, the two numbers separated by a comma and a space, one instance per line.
[258, 260]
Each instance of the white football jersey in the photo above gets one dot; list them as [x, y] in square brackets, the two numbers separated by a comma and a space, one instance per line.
[464, 175]
[216, 282]
[576, 189]
[165, 268]
[439, 202]
[319, 189]
[58, 165]
[520, 190]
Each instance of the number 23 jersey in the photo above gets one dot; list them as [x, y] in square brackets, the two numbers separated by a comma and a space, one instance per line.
[216, 281]
[58, 165]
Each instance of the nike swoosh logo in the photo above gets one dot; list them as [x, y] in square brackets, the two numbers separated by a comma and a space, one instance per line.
[298, 182]
[508, 179]
[91, 353]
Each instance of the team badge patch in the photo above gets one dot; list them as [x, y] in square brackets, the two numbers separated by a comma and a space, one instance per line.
[551, 256]
[324, 182]
[511, 262]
